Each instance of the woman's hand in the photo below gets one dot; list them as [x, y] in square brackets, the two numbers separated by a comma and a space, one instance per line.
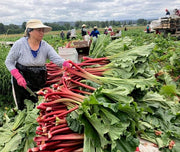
[20, 79]
[66, 64]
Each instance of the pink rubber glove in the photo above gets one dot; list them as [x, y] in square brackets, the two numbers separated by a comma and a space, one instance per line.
[66, 64]
[20, 80]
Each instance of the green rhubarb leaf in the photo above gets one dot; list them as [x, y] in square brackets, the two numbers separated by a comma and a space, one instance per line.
[145, 125]
[156, 100]
[6, 135]
[29, 104]
[117, 73]
[117, 130]
[88, 145]
[111, 117]
[115, 126]
[99, 127]
[126, 144]
[119, 94]
[29, 142]
[163, 140]
[13, 144]
[168, 90]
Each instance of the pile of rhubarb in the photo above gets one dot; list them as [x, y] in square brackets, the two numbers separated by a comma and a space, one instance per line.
[61, 97]
[104, 105]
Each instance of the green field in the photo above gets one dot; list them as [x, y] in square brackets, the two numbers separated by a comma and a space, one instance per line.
[161, 107]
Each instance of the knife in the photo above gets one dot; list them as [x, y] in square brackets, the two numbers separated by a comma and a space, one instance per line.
[30, 91]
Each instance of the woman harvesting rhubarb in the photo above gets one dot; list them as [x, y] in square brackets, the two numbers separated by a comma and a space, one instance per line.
[26, 61]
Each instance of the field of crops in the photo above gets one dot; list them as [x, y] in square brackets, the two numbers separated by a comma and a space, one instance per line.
[124, 90]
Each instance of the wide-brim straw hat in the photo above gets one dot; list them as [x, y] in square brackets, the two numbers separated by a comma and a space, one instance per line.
[83, 25]
[95, 27]
[34, 24]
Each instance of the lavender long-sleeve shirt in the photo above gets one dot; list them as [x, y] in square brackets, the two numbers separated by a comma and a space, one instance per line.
[21, 53]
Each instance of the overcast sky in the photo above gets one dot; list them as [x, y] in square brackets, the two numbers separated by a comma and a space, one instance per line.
[19, 11]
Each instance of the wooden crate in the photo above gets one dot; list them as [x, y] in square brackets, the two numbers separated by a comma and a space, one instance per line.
[80, 44]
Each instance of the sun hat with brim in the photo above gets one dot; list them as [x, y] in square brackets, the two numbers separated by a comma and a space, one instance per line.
[34, 24]
[95, 27]
[83, 25]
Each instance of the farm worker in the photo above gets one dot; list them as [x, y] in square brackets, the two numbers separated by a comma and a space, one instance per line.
[147, 29]
[95, 32]
[106, 30]
[68, 34]
[167, 12]
[62, 34]
[177, 12]
[83, 31]
[26, 62]
[110, 29]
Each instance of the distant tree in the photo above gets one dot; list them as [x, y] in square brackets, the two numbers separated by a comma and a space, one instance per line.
[141, 22]
[2, 28]
[67, 26]
[103, 24]
[13, 26]
[78, 24]
[130, 22]
[13, 29]
[117, 23]
[55, 26]
[88, 23]
[23, 26]
[148, 22]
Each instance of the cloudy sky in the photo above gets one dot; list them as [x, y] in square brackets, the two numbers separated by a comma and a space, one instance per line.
[19, 11]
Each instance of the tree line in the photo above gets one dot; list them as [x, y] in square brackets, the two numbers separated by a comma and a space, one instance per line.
[16, 29]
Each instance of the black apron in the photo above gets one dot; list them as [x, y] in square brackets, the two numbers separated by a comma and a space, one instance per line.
[35, 77]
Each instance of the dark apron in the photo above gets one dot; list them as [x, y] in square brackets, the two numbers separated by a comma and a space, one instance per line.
[35, 77]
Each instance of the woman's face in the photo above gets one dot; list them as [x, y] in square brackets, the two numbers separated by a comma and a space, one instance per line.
[37, 34]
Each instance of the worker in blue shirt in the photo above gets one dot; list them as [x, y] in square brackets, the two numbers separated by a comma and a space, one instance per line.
[167, 12]
[95, 32]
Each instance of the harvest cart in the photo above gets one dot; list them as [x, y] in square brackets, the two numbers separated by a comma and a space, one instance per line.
[81, 46]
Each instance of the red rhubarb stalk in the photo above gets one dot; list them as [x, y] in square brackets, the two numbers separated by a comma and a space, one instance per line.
[58, 127]
[81, 91]
[61, 130]
[48, 145]
[62, 100]
[83, 85]
[61, 115]
[53, 113]
[55, 107]
[68, 144]
[72, 136]
[69, 149]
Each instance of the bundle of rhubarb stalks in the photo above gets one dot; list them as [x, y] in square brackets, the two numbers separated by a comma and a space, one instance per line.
[104, 105]
[63, 94]
[90, 106]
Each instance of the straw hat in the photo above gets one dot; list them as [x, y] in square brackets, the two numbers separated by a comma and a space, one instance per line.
[83, 25]
[95, 27]
[106, 28]
[34, 24]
